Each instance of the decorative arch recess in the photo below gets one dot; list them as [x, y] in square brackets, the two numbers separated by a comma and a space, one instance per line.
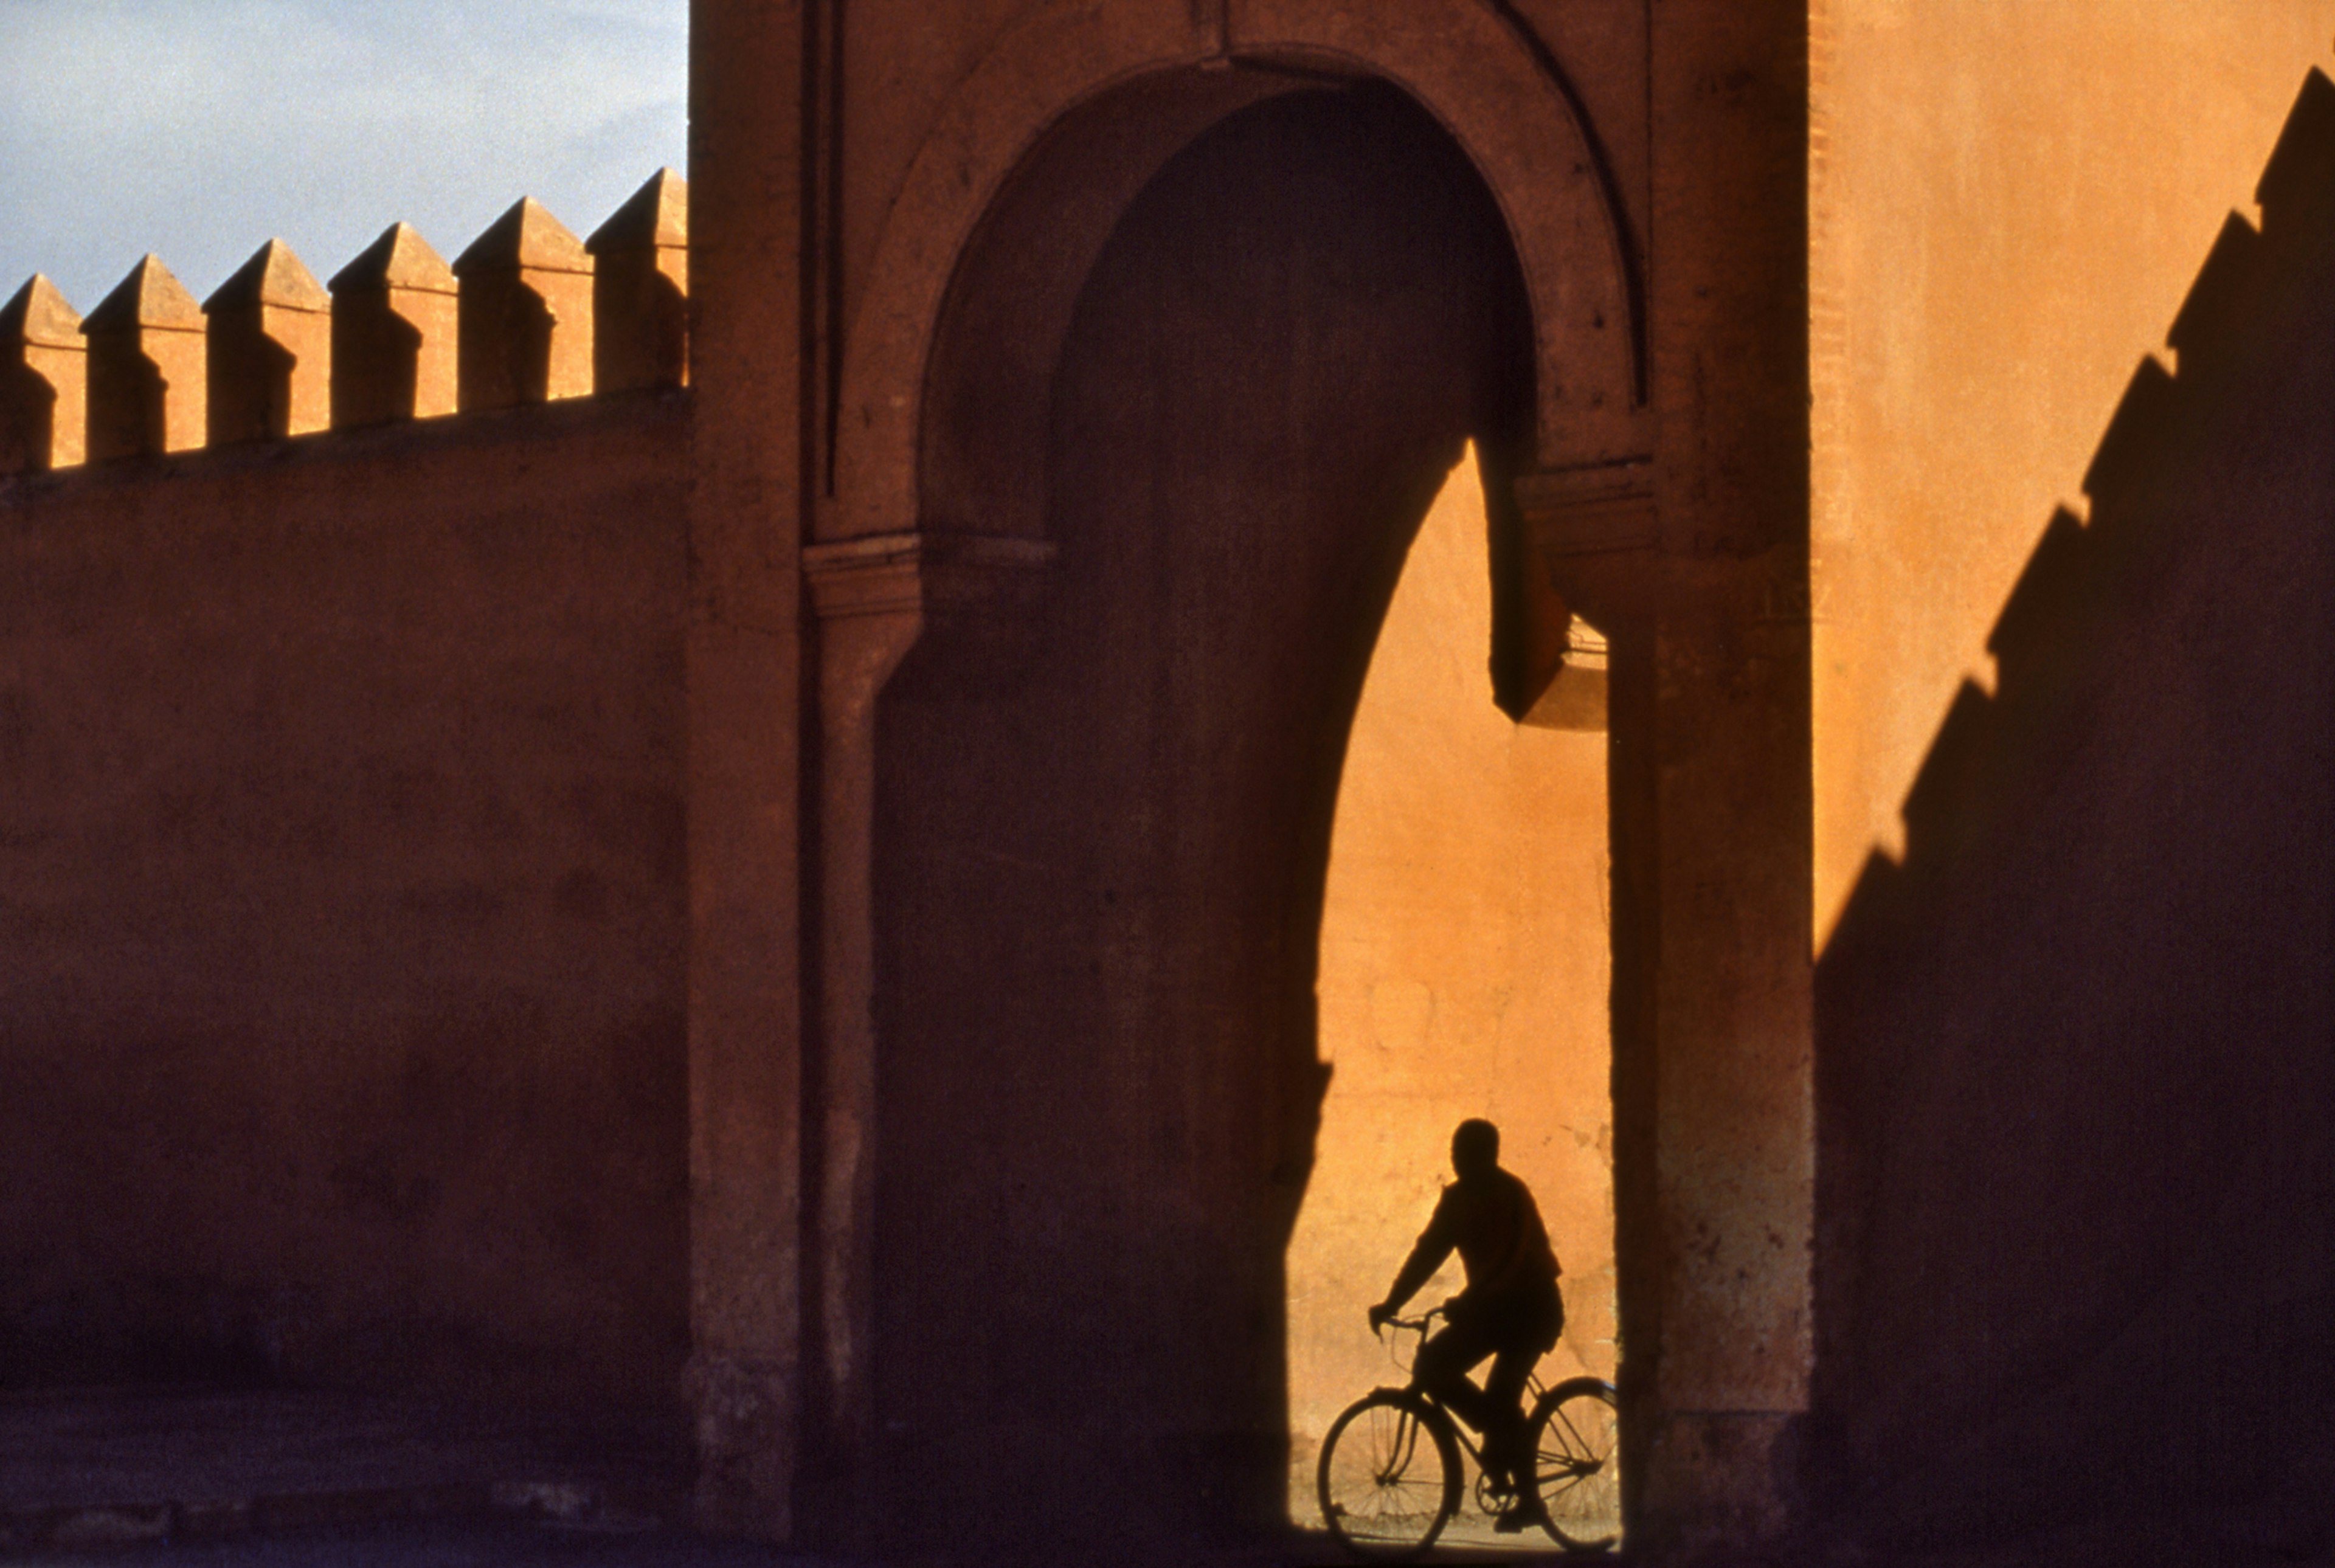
[1005, 208]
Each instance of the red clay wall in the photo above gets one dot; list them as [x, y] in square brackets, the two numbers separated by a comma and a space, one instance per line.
[340, 1013]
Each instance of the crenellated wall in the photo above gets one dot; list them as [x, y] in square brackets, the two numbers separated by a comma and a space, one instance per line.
[527, 314]
[341, 812]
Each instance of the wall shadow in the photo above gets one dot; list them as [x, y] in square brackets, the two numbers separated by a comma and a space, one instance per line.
[2076, 1266]
[1100, 880]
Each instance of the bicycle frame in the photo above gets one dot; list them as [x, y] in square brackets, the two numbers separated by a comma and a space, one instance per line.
[1533, 1388]
[1382, 1494]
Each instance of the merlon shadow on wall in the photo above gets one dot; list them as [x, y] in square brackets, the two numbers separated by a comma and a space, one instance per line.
[2077, 1053]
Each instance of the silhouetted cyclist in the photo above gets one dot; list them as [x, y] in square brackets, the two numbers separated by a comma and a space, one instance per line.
[1510, 1310]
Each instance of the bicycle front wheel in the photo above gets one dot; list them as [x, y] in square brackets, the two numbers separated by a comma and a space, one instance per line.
[1577, 1465]
[1390, 1474]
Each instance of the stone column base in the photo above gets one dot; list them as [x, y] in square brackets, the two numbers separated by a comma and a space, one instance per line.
[1720, 1485]
[745, 1464]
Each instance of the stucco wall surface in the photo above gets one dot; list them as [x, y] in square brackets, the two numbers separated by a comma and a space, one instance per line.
[341, 1008]
[2010, 202]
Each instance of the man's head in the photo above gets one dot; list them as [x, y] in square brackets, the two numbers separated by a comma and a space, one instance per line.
[1474, 1147]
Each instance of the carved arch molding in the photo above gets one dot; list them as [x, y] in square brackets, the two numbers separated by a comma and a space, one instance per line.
[1031, 162]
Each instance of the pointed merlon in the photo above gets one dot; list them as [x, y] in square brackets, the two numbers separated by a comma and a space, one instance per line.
[147, 367]
[271, 350]
[38, 313]
[394, 333]
[640, 296]
[273, 276]
[527, 312]
[399, 258]
[150, 297]
[44, 381]
[527, 238]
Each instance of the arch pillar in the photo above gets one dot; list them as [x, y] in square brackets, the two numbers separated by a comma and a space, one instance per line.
[873, 600]
[1695, 564]
[1713, 1133]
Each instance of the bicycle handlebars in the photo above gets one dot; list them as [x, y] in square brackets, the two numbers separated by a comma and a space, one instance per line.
[1418, 1324]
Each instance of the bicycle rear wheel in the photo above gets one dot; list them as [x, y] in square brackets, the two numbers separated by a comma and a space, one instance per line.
[1577, 1465]
[1390, 1474]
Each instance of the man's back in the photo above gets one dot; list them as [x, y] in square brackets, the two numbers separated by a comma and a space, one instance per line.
[1489, 1217]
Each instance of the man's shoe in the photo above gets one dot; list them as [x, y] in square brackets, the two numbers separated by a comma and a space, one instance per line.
[1525, 1515]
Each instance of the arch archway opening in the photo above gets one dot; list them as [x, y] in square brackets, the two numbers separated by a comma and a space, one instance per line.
[1100, 875]
[1465, 967]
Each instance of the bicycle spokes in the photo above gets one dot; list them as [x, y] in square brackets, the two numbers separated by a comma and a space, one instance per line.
[1404, 1447]
[1387, 1479]
[1574, 1467]
[1567, 1453]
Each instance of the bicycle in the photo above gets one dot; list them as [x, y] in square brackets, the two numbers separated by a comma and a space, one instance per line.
[1389, 1478]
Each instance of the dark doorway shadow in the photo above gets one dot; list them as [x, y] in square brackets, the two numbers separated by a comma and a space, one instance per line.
[1098, 877]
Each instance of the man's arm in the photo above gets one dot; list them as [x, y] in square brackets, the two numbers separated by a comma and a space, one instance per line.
[1434, 1245]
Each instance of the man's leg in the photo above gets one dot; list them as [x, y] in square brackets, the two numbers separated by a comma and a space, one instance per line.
[1443, 1365]
[1507, 1438]
[1504, 1397]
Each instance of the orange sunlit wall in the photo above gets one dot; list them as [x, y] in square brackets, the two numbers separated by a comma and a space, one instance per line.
[2071, 678]
[1464, 972]
[2010, 203]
